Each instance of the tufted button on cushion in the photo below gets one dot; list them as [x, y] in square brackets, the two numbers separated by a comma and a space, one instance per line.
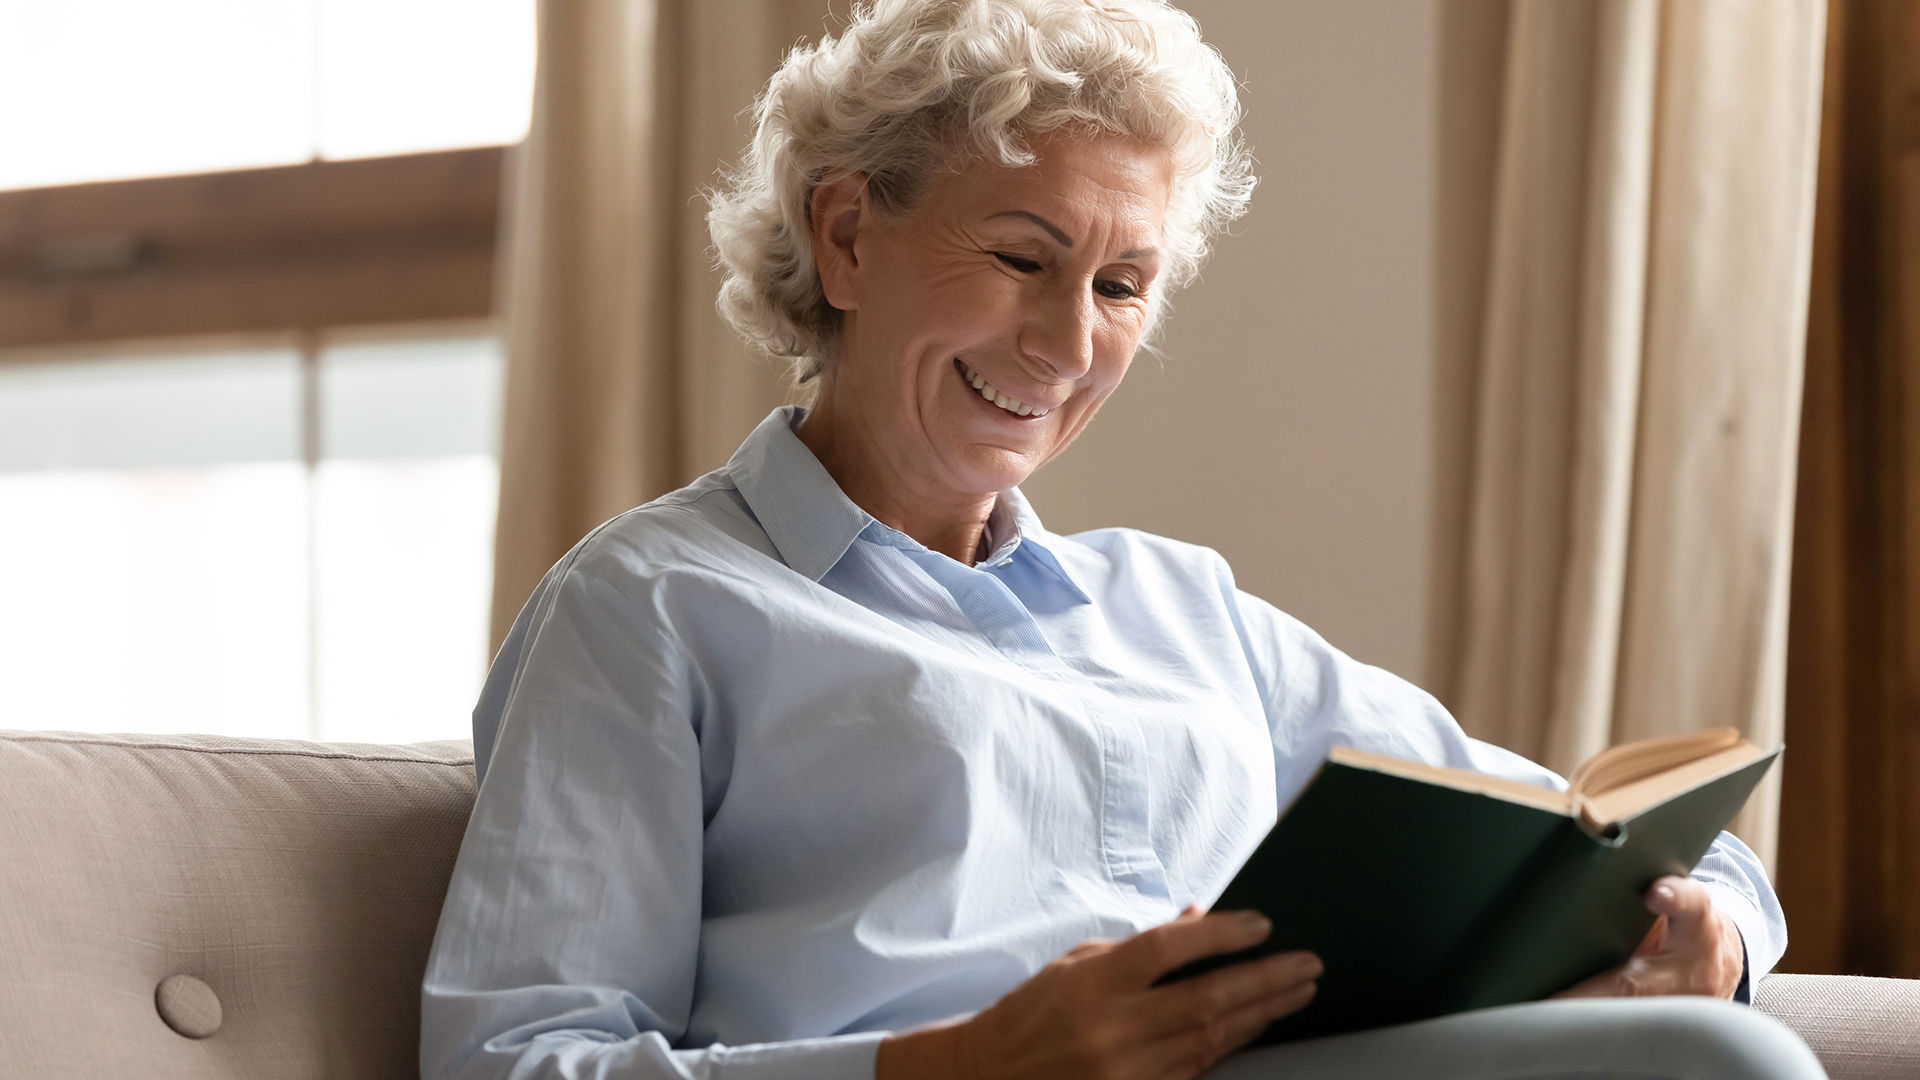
[188, 1005]
[301, 881]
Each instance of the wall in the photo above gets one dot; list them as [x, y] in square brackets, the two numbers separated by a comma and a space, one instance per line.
[1291, 424]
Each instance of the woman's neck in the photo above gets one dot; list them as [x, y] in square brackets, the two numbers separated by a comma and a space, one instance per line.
[952, 523]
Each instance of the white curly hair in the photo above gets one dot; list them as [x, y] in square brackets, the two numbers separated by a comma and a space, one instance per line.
[915, 86]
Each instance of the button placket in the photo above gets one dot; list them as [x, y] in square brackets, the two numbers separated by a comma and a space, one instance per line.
[1126, 826]
[1003, 619]
[993, 609]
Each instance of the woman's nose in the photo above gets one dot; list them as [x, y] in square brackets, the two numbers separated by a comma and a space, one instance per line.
[1059, 336]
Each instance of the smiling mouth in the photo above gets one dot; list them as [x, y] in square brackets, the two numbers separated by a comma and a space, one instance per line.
[986, 390]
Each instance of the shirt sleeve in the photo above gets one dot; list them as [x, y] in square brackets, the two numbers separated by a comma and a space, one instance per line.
[568, 942]
[1733, 875]
[1317, 697]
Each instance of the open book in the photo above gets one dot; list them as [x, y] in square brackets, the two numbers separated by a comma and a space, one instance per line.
[1429, 891]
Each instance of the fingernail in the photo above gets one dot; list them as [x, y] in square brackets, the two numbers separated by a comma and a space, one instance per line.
[1665, 892]
[1309, 966]
[1300, 993]
[1256, 924]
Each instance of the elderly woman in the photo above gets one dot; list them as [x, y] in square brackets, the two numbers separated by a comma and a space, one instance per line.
[837, 763]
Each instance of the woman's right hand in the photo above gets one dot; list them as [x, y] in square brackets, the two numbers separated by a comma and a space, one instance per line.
[1095, 1013]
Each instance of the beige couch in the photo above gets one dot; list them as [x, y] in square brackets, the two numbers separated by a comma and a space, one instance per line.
[193, 906]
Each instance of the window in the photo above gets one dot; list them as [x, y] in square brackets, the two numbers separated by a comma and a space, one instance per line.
[248, 389]
[151, 566]
[403, 504]
[251, 538]
[114, 89]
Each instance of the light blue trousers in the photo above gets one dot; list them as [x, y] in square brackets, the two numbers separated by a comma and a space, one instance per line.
[1663, 1038]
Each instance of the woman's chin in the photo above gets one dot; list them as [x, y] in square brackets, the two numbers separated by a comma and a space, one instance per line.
[982, 468]
[987, 449]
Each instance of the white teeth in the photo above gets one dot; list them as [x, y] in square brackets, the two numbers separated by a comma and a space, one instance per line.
[986, 390]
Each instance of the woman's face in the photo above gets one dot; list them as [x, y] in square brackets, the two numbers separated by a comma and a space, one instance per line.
[1030, 284]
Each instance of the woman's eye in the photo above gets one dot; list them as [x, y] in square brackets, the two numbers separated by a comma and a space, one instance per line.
[1115, 290]
[1025, 266]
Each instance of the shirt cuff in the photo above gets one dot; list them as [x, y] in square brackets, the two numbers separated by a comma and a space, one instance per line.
[1747, 922]
[839, 1057]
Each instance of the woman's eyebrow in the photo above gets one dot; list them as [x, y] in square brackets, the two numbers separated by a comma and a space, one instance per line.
[1057, 232]
[1067, 241]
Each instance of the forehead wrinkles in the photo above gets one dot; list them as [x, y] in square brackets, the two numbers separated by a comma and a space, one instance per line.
[1110, 199]
[1097, 224]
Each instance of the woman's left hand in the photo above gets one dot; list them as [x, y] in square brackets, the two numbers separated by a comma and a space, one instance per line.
[1692, 949]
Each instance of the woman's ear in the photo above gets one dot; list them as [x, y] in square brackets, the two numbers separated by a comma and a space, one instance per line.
[837, 210]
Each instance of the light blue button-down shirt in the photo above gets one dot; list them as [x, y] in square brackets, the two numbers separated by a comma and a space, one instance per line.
[763, 779]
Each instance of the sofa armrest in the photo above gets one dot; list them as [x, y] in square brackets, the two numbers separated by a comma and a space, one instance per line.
[1859, 1028]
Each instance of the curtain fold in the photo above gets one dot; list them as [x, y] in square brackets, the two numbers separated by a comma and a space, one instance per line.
[622, 383]
[1633, 466]
[1850, 814]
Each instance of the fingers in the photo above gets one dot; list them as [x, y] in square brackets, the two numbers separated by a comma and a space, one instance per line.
[1256, 979]
[1096, 1012]
[1266, 1010]
[1088, 948]
[1606, 984]
[1146, 956]
[1252, 1019]
[1690, 950]
[1655, 940]
[1685, 902]
[1702, 946]
[1674, 895]
[1691, 938]
[1199, 1046]
[1255, 986]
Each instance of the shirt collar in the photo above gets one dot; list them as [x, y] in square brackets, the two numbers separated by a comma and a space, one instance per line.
[1014, 527]
[809, 519]
[812, 523]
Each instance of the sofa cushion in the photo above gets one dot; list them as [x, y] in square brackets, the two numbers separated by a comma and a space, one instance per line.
[1859, 1028]
[293, 888]
[300, 882]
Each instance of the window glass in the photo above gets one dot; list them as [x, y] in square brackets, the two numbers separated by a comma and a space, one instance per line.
[171, 564]
[112, 89]
[150, 412]
[404, 509]
[153, 563]
[107, 89]
[431, 397]
[402, 76]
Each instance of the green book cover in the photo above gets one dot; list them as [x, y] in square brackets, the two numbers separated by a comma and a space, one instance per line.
[1423, 899]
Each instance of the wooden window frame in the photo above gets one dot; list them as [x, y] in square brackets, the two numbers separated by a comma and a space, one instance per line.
[306, 248]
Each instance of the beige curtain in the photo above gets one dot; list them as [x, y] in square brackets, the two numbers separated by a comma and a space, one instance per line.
[622, 384]
[1629, 528]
